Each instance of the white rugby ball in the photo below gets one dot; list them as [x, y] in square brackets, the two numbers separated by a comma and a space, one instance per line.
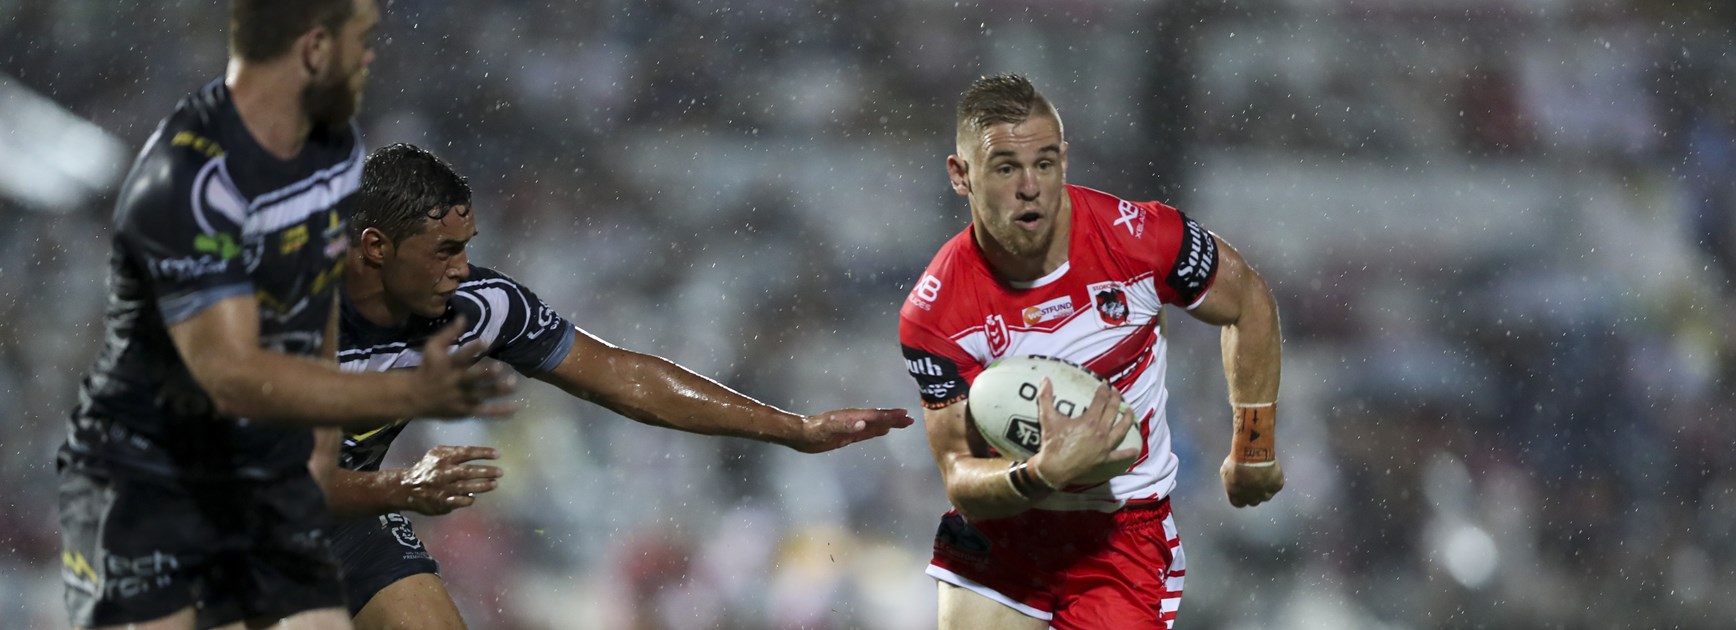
[1003, 403]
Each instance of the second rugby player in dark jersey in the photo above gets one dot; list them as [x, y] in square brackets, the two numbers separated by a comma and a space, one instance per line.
[408, 274]
[185, 493]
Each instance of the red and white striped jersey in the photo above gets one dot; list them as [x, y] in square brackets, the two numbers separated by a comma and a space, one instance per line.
[1100, 309]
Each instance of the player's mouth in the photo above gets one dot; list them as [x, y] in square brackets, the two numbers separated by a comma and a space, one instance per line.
[1028, 220]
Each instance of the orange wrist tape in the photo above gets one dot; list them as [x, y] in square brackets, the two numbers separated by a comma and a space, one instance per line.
[1255, 441]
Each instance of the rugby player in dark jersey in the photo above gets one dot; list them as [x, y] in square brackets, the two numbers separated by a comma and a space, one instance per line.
[185, 490]
[407, 277]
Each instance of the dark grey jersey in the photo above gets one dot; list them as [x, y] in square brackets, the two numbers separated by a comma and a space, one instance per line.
[518, 328]
[207, 214]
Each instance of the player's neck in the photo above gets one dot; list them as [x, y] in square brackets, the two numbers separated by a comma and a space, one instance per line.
[1009, 266]
[367, 294]
[268, 97]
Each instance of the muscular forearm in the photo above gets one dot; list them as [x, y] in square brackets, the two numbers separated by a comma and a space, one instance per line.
[980, 489]
[656, 391]
[274, 387]
[1251, 348]
[356, 494]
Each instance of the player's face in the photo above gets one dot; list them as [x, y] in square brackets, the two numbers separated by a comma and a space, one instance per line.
[1015, 181]
[422, 271]
[336, 94]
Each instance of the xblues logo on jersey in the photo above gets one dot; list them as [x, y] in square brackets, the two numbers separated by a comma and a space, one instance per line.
[1111, 302]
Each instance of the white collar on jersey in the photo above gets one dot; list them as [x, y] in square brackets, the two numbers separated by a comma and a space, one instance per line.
[1051, 277]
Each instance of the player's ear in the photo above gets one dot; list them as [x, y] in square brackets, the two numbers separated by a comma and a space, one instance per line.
[958, 171]
[374, 246]
[315, 48]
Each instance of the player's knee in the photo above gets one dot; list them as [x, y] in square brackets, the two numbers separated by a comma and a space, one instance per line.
[416, 602]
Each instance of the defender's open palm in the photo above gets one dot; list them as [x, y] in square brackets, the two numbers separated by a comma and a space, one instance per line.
[442, 482]
[843, 427]
[450, 384]
[1073, 446]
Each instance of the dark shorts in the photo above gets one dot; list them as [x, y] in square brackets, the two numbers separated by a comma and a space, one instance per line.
[375, 552]
[137, 547]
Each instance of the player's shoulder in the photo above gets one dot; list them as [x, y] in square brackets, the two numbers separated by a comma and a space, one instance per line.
[490, 294]
[483, 277]
[949, 274]
[176, 164]
[1135, 231]
[196, 132]
[1115, 216]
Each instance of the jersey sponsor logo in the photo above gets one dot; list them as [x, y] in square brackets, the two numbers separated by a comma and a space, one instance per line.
[1052, 309]
[292, 240]
[1195, 263]
[199, 143]
[937, 377]
[995, 328]
[221, 245]
[1131, 218]
[1111, 302]
[925, 366]
[926, 292]
[938, 390]
[190, 267]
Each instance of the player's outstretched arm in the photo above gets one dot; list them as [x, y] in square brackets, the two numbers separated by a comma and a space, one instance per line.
[656, 391]
[984, 488]
[220, 346]
[441, 482]
[1242, 304]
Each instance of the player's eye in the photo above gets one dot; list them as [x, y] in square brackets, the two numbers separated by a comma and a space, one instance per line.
[1004, 169]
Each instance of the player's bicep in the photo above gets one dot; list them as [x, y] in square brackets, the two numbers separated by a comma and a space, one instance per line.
[590, 368]
[215, 340]
[1232, 290]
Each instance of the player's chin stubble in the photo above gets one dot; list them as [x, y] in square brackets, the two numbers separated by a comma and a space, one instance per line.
[330, 103]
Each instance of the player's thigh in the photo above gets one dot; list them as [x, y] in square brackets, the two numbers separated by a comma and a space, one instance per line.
[961, 609]
[418, 601]
[321, 619]
[179, 620]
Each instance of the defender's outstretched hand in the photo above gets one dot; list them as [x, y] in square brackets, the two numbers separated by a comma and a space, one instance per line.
[453, 385]
[843, 427]
[442, 482]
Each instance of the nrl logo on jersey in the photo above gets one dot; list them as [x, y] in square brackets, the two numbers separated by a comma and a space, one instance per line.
[1111, 302]
[995, 328]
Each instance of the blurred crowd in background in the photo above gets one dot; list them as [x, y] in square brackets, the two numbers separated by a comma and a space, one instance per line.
[1502, 234]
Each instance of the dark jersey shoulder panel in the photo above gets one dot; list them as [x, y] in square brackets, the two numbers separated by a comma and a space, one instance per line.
[206, 214]
[518, 328]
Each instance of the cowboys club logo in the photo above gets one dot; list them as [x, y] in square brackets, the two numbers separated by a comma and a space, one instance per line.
[1111, 303]
[400, 528]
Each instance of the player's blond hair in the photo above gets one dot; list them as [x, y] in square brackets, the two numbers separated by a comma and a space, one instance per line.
[998, 99]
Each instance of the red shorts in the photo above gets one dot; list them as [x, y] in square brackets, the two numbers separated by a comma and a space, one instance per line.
[1075, 570]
